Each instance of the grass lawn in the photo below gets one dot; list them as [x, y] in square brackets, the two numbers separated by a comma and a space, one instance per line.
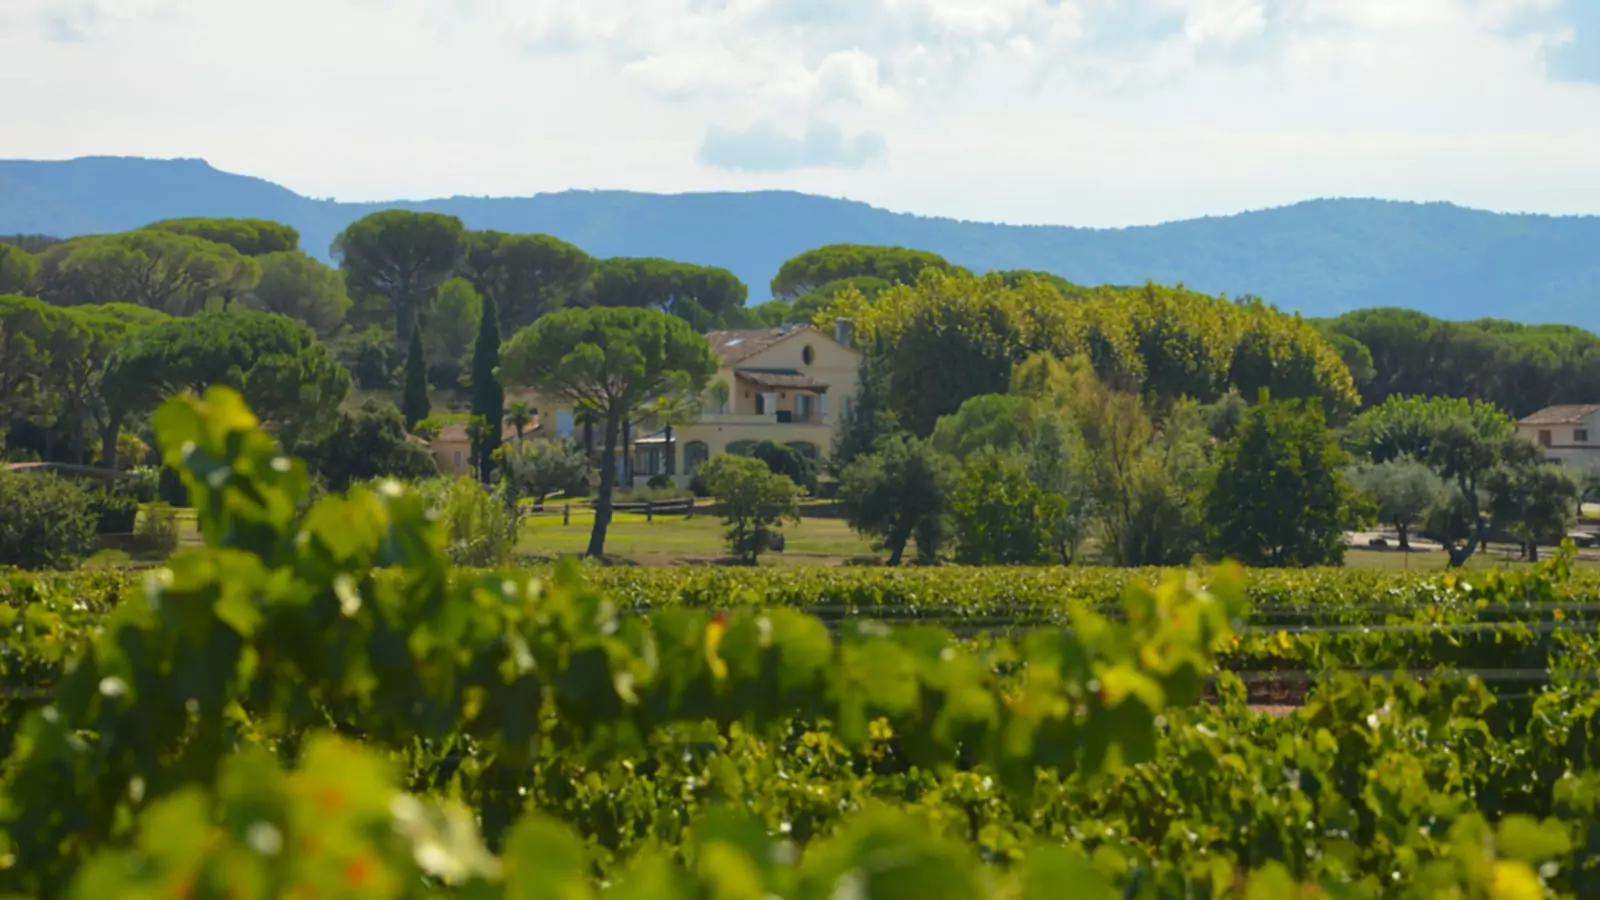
[1493, 557]
[676, 539]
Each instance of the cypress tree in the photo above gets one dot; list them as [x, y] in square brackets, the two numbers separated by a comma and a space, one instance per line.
[414, 400]
[488, 397]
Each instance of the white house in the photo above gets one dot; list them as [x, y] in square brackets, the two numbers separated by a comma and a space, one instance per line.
[1569, 434]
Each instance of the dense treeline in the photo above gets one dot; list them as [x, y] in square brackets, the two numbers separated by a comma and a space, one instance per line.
[97, 331]
[1520, 368]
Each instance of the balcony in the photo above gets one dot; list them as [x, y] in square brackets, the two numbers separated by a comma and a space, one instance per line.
[781, 417]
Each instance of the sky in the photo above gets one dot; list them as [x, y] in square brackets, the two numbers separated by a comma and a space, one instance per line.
[1075, 112]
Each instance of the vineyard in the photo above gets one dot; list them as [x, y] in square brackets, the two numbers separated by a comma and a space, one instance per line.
[316, 704]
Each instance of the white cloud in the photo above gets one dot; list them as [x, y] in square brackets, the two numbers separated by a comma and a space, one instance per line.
[1075, 111]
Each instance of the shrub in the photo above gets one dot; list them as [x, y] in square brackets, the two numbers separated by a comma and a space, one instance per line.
[145, 485]
[657, 494]
[788, 462]
[368, 443]
[898, 494]
[479, 527]
[754, 500]
[658, 482]
[538, 468]
[1001, 515]
[158, 528]
[48, 523]
[115, 511]
[1279, 497]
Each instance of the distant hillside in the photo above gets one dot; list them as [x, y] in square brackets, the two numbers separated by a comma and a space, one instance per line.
[1322, 257]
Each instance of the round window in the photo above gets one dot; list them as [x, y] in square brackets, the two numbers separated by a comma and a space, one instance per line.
[806, 356]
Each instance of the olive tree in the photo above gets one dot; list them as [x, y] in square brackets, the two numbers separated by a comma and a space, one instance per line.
[755, 501]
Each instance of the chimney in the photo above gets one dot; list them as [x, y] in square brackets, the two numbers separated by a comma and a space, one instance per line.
[843, 331]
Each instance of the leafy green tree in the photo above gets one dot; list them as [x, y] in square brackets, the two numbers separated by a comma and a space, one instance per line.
[488, 395]
[811, 270]
[1001, 514]
[1291, 359]
[450, 327]
[1059, 464]
[755, 502]
[18, 270]
[1003, 422]
[541, 467]
[868, 417]
[519, 415]
[1018, 277]
[1404, 491]
[1356, 357]
[414, 403]
[899, 491]
[810, 306]
[366, 444]
[292, 382]
[1279, 497]
[1405, 426]
[611, 363]
[1146, 479]
[1530, 498]
[32, 243]
[295, 285]
[371, 357]
[49, 523]
[397, 259]
[1464, 456]
[250, 237]
[700, 295]
[526, 275]
[772, 313]
[28, 330]
[952, 338]
[1519, 368]
[80, 352]
[174, 273]
[949, 337]
[788, 462]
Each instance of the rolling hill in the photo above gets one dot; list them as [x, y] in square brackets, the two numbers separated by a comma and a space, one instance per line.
[1321, 257]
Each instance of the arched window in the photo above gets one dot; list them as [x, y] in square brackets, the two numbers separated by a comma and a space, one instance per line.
[742, 448]
[695, 454]
[806, 448]
[808, 355]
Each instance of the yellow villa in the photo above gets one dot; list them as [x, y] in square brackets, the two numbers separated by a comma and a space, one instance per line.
[790, 385]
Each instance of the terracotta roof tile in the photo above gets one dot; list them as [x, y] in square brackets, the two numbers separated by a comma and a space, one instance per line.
[781, 380]
[735, 347]
[1571, 414]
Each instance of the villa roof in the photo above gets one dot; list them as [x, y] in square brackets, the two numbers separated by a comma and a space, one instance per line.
[734, 347]
[785, 380]
[1571, 414]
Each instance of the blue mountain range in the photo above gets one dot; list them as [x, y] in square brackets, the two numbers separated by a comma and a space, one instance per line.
[1321, 257]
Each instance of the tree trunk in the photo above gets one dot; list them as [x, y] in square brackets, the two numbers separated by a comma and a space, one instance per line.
[108, 444]
[80, 449]
[608, 483]
[1460, 555]
[627, 455]
[1405, 535]
[898, 538]
[1533, 551]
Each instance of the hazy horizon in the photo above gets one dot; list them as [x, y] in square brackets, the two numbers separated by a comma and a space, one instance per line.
[1223, 214]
